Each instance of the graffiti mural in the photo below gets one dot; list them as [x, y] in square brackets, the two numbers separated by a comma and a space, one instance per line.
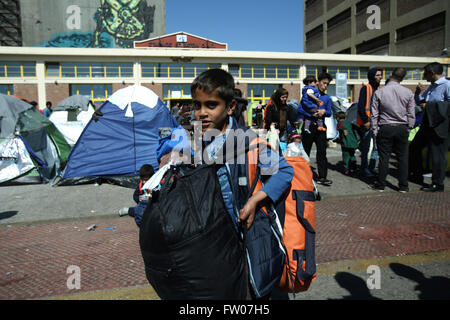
[118, 24]
[124, 20]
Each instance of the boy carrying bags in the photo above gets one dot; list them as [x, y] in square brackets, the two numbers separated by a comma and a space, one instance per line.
[226, 143]
[230, 251]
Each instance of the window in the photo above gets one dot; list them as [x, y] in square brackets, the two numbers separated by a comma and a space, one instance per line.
[126, 70]
[162, 70]
[353, 73]
[201, 68]
[68, 70]
[258, 71]
[271, 71]
[234, 70]
[293, 72]
[175, 70]
[98, 93]
[282, 72]
[53, 70]
[86, 70]
[246, 71]
[112, 70]
[98, 70]
[29, 69]
[311, 71]
[148, 70]
[16, 69]
[83, 70]
[260, 93]
[6, 88]
[176, 91]
[413, 74]
[188, 70]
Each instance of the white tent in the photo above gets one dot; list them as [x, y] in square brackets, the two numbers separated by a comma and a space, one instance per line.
[71, 115]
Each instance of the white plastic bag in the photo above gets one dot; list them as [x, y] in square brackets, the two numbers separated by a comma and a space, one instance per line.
[273, 138]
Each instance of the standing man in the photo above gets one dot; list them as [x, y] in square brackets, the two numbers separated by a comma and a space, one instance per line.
[316, 136]
[393, 113]
[363, 121]
[434, 128]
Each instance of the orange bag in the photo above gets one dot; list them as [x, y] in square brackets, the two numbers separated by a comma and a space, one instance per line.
[296, 212]
[298, 221]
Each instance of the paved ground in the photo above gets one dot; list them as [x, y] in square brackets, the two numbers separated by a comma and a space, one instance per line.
[43, 231]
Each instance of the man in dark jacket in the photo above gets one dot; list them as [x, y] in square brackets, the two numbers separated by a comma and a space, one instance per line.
[434, 129]
[363, 120]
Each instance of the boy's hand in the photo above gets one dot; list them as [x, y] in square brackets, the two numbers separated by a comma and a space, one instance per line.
[247, 213]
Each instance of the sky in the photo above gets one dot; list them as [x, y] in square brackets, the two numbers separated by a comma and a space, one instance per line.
[245, 25]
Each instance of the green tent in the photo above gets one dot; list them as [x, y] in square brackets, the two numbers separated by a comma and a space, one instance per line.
[32, 150]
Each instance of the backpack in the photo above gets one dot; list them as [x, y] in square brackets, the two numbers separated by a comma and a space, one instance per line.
[188, 241]
[296, 212]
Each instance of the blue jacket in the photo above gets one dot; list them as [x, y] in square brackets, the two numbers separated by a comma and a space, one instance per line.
[276, 176]
[326, 105]
[307, 103]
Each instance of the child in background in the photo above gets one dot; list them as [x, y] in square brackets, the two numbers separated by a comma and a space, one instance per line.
[141, 196]
[310, 102]
[349, 143]
[295, 146]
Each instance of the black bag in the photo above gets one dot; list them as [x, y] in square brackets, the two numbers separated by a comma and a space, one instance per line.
[190, 247]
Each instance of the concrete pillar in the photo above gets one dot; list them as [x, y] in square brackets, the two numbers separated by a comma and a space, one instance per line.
[40, 75]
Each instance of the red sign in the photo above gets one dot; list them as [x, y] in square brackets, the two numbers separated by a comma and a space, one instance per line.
[180, 40]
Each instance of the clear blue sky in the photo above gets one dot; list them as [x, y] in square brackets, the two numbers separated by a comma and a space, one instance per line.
[246, 25]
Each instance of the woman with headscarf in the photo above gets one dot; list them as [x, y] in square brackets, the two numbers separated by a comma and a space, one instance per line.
[279, 114]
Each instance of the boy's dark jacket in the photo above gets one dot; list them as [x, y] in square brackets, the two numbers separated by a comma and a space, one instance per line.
[262, 261]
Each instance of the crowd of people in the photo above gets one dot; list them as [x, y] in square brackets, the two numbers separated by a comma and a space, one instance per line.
[385, 117]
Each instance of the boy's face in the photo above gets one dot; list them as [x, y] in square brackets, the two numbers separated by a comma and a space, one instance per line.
[211, 110]
[314, 84]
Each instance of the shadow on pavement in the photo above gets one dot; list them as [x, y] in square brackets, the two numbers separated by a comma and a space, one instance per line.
[356, 286]
[434, 288]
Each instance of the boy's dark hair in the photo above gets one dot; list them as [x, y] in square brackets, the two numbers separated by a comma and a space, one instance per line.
[340, 115]
[215, 79]
[146, 171]
[398, 74]
[324, 75]
[308, 79]
[48, 104]
[436, 67]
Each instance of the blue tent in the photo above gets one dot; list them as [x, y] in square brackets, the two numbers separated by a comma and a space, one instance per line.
[125, 136]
